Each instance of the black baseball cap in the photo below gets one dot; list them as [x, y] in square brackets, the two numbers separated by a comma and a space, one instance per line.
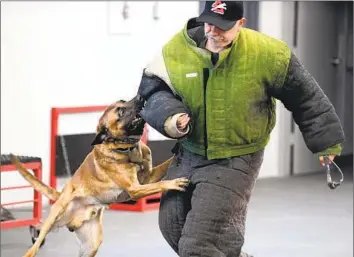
[222, 14]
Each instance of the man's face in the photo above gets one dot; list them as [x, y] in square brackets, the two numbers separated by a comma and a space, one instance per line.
[219, 38]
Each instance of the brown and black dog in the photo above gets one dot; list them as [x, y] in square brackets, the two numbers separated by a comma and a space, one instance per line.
[117, 169]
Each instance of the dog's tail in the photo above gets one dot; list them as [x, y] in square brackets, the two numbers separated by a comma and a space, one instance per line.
[38, 185]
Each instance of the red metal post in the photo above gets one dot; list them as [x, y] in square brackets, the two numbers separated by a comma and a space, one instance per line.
[53, 134]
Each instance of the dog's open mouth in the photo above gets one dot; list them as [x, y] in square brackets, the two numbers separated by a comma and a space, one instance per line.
[136, 126]
[136, 120]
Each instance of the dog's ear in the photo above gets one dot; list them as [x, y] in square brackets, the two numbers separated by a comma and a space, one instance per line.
[99, 138]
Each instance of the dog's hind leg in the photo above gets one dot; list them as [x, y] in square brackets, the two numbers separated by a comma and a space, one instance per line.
[56, 210]
[90, 235]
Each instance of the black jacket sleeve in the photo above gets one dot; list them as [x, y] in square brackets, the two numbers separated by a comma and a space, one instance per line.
[161, 102]
[311, 109]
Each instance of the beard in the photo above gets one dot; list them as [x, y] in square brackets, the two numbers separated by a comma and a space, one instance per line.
[217, 41]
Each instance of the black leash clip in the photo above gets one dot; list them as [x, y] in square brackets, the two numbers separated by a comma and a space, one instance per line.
[332, 184]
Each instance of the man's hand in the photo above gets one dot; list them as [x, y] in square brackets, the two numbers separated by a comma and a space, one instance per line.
[331, 158]
[183, 121]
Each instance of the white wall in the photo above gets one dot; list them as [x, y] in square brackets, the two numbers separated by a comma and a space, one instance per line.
[60, 54]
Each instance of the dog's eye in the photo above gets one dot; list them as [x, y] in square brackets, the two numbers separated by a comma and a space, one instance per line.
[120, 111]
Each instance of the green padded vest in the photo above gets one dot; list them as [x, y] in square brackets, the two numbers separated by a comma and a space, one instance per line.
[231, 112]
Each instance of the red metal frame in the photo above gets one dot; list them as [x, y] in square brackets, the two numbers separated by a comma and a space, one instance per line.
[142, 204]
[37, 197]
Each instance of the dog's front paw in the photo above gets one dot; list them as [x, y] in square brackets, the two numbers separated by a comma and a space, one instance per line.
[179, 184]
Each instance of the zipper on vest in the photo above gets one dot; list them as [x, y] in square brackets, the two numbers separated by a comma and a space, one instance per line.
[205, 82]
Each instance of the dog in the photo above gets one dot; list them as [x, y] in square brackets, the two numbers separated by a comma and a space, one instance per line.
[118, 169]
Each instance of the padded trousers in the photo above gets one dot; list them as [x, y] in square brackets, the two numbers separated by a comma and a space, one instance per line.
[208, 219]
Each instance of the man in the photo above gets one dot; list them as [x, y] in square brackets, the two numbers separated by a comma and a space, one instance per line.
[213, 87]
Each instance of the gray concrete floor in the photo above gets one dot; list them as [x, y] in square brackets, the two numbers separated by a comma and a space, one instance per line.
[288, 217]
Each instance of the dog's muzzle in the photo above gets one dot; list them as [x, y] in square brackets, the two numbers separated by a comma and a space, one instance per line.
[136, 127]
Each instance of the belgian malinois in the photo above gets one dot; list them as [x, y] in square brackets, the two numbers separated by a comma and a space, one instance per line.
[117, 169]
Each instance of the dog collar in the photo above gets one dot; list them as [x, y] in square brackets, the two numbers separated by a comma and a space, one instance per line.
[124, 150]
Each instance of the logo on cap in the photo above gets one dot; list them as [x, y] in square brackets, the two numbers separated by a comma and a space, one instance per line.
[218, 7]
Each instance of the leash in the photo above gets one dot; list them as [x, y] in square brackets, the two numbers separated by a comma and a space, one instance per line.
[332, 184]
